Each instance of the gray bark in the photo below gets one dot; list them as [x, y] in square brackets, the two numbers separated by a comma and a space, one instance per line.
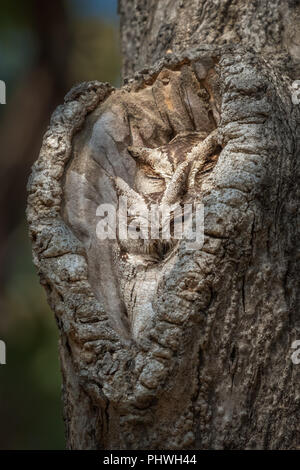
[151, 29]
[164, 347]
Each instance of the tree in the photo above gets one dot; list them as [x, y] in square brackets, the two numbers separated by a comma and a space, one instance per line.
[163, 346]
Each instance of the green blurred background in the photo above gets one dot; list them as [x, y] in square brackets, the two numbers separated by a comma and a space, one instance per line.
[45, 48]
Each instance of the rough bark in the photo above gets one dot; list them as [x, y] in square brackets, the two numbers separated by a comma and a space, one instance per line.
[151, 29]
[164, 347]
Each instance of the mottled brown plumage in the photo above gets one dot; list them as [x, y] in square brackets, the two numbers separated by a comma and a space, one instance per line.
[163, 177]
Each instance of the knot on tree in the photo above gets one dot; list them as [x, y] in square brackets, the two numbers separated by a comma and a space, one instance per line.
[137, 314]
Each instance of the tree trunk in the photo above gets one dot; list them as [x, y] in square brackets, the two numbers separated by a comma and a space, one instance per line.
[164, 345]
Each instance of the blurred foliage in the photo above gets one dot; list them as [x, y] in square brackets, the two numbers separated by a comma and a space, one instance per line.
[95, 53]
[30, 382]
[30, 402]
[16, 14]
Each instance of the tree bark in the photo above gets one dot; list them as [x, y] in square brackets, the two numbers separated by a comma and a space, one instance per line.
[163, 346]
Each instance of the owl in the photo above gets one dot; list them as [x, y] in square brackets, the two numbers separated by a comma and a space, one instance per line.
[165, 178]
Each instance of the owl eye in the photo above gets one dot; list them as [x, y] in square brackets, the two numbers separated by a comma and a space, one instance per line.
[155, 178]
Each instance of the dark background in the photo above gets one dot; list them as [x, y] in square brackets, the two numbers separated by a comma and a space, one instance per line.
[45, 48]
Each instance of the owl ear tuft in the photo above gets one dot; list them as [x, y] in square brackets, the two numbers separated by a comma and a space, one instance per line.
[155, 158]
